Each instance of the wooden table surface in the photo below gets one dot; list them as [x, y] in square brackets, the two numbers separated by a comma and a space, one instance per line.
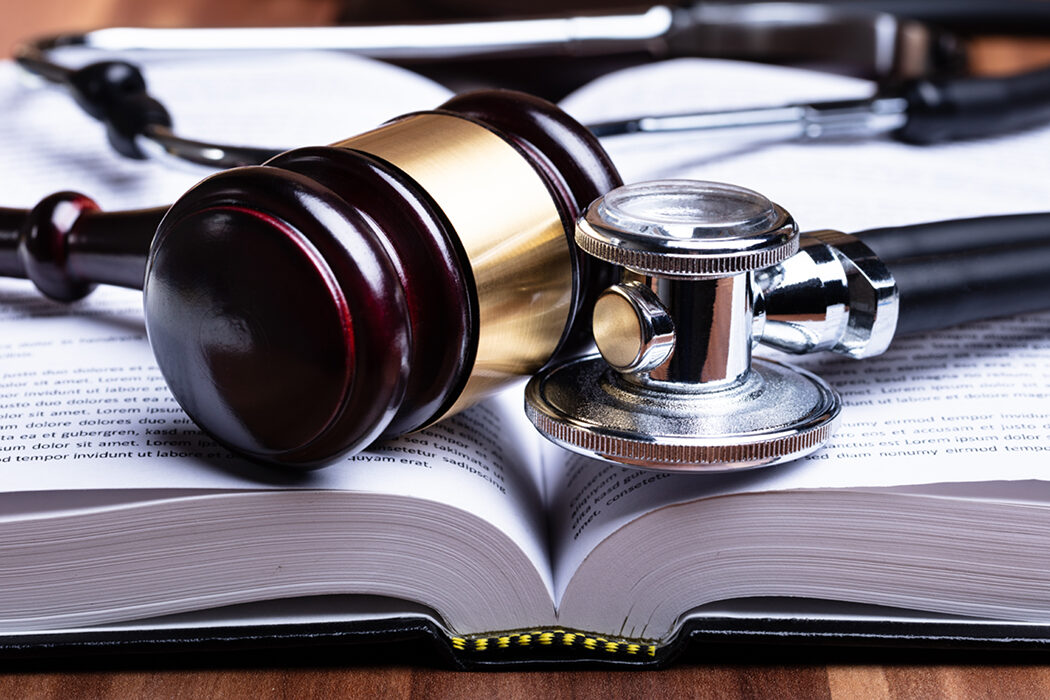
[758, 674]
[702, 681]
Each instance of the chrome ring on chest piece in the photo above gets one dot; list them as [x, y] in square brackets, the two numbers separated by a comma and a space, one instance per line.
[675, 386]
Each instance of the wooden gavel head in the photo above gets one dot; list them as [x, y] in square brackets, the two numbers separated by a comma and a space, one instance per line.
[302, 309]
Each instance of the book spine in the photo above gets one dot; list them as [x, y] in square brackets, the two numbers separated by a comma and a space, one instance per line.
[552, 644]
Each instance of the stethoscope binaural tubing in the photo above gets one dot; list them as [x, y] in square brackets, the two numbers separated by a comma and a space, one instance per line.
[919, 110]
[947, 272]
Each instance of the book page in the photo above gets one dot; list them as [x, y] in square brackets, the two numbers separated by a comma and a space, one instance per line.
[965, 406]
[848, 186]
[82, 404]
[969, 404]
[84, 407]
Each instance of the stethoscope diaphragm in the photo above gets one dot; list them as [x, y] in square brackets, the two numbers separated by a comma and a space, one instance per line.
[674, 386]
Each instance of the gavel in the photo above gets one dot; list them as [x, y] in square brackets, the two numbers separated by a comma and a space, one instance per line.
[302, 309]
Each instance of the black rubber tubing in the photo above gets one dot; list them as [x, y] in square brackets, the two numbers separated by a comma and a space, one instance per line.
[952, 272]
[965, 108]
[946, 290]
[957, 235]
[979, 16]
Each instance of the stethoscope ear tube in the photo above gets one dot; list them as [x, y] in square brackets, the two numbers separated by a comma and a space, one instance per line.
[965, 108]
[954, 272]
[1021, 17]
[957, 235]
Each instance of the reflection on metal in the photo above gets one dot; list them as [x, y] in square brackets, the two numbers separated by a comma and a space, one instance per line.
[834, 295]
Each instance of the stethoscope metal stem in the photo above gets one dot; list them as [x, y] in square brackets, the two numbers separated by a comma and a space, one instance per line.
[823, 120]
[872, 43]
[568, 35]
[863, 118]
[714, 349]
[160, 143]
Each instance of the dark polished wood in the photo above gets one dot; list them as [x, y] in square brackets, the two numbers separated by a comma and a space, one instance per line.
[259, 277]
[66, 246]
[755, 679]
[429, 268]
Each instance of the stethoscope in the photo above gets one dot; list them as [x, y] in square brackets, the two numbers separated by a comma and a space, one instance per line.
[901, 53]
[707, 271]
[413, 298]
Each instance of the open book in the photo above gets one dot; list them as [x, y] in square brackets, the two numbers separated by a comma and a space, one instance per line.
[116, 513]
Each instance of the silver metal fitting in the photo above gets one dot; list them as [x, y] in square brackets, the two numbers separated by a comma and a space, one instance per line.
[834, 295]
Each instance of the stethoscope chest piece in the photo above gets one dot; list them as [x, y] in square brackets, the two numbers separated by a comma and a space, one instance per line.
[674, 386]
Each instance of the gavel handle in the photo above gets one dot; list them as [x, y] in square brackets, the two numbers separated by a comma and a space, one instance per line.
[66, 245]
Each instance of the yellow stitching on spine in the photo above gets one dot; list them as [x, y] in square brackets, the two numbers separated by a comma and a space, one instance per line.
[548, 637]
